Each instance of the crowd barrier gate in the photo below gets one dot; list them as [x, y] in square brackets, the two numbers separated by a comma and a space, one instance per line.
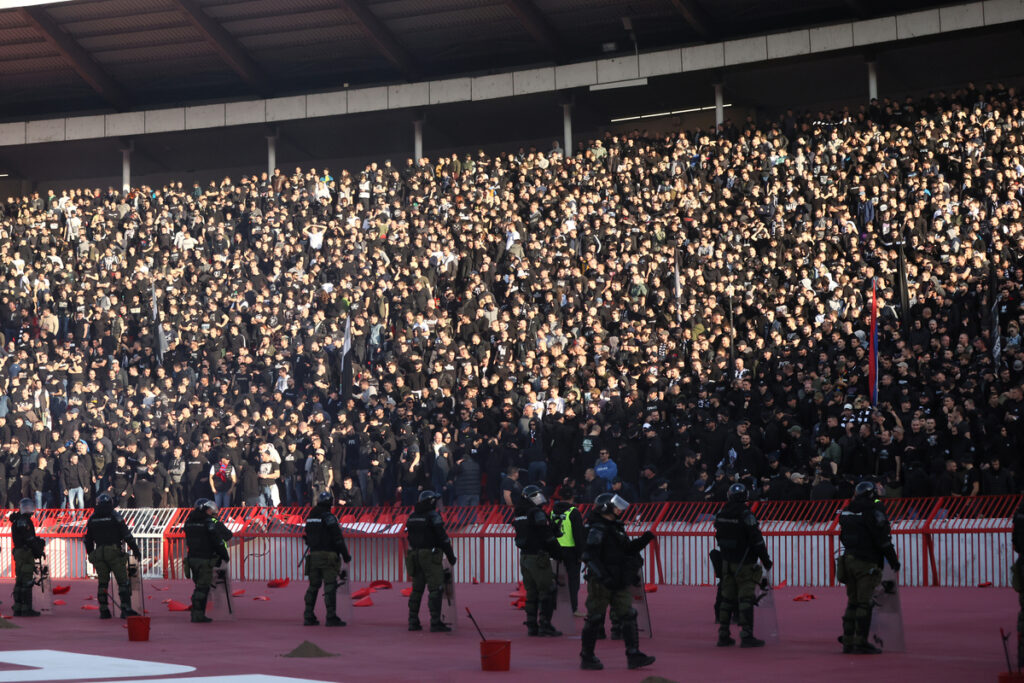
[951, 541]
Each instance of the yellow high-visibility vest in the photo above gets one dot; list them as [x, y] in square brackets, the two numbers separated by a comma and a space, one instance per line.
[566, 539]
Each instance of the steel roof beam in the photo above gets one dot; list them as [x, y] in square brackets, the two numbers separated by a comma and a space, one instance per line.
[76, 57]
[382, 37]
[227, 46]
[696, 17]
[537, 25]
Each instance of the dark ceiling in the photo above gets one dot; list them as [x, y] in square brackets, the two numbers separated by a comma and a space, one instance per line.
[105, 55]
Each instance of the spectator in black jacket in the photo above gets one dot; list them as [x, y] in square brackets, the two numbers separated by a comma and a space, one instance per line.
[40, 483]
[468, 475]
[76, 478]
[995, 480]
[350, 496]
[119, 477]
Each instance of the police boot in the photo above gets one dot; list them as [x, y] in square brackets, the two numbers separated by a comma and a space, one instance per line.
[16, 594]
[331, 603]
[199, 611]
[725, 638]
[125, 593]
[747, 638]
[308, 617]
[531, 621]
[848, 639]
[434, 605]
[631, 637]
[863, 645]
[588, 660]
[26, 603]
[545, 629]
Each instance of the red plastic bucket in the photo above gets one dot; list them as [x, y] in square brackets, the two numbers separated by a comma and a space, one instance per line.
[495, 655]
[138, 628]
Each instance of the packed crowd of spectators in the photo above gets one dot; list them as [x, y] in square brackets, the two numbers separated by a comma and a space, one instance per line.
[515, 319]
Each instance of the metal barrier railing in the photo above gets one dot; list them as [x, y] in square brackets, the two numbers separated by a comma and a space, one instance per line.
[941, 541]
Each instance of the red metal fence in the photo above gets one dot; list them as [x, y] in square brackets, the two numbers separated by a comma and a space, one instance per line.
[941, 541]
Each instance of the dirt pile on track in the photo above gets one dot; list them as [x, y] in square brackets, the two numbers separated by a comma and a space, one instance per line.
[308, 649]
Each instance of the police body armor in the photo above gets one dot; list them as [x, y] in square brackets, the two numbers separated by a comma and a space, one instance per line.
[107, 527]
[323, 532]
[205, 536]
[1018, 530]
[23, 534]
[529, 524]
[614, 563]
[737, 534]
[426, 530]
[864, 532]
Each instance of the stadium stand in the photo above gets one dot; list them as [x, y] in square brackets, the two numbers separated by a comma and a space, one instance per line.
[658, 315]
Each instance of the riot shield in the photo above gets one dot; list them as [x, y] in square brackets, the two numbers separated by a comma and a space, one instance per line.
[43, 598]
[135, 581]
[219, 605]
[766, 620]
[449, 611]
[886, 631]
[643, 614]
[344, 593]
[562, 618]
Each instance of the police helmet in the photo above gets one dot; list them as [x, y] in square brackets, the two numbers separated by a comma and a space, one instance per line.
[611, 504]
[738, 493]
[207, 505]
[865, 489]
[104, 501]
[27, 506]
[325, 499]
[533, 494]
[429, 496]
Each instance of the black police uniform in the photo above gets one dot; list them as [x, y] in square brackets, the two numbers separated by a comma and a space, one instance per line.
[206, 539]
[536, 541]
[326, 549]
[741, 545]
[427, 541]
[26, 548]
[865, 535]
[613, 563]
[105, 534]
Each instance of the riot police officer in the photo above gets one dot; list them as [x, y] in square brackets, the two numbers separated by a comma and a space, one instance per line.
[326, 548]
[105, 533]
[27, 548]
[1016, 576]
[864, 533]
[427, 541]
[613, 564]
[536, 541]
[206, 539]
[741, 545]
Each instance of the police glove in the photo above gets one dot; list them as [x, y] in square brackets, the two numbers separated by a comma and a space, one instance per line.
[647, 537]
[452, 559]
[895, 565]
[347, 558]
[768, 564]
[137, 554]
